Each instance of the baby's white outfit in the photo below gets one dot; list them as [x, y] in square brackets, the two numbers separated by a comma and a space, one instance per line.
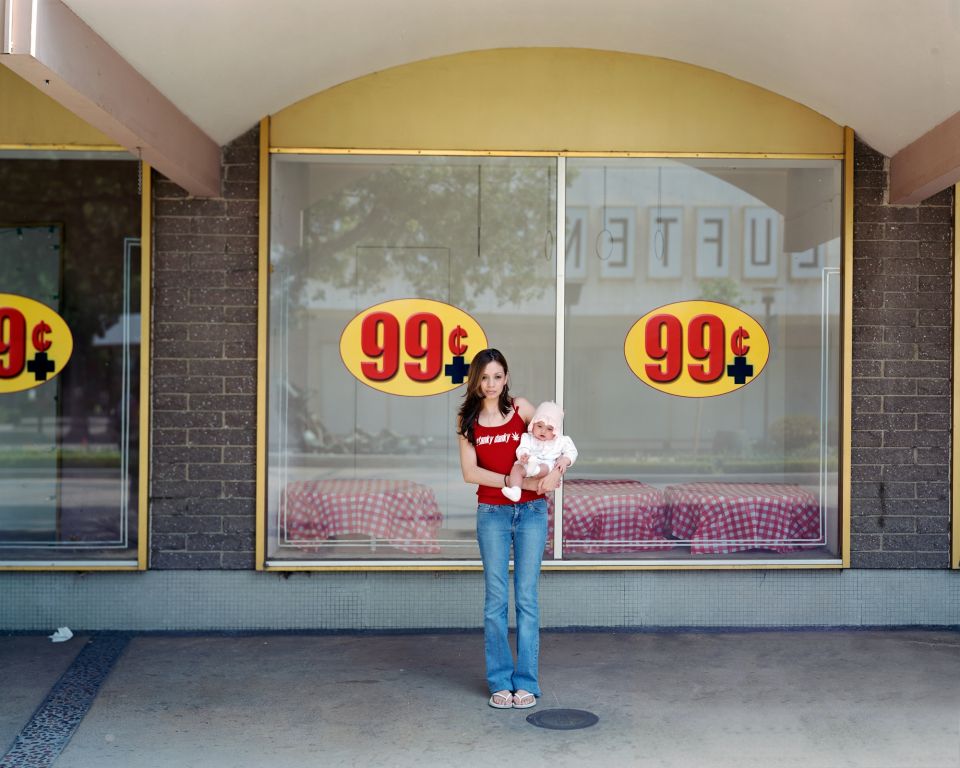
[542, 451]
[545, 451]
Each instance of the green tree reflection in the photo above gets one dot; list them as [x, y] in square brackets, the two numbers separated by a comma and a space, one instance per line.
[382, 228]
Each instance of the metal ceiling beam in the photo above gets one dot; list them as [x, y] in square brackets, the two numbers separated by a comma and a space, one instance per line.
[48, 45]
[928, 165]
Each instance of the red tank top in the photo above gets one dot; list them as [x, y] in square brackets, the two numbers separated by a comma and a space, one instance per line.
[497, 451]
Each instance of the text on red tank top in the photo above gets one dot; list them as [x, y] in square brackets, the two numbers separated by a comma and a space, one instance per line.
[497, 451]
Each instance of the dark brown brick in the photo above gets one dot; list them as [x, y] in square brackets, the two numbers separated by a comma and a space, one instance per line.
[182, 420]
[239, 455]
[184, 561]
[163, 471]
[204, 362]
[885, 386]
[189, 384]
[935, 421]
[188, 524]
[221, 472]
[187, 455]
[933, 524]
[903, 267]
[237, 561]
[894, 422]
[913, 439]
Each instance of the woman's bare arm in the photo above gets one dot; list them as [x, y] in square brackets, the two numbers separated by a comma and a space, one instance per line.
[548, 482]
[472, 473]
[524, 408]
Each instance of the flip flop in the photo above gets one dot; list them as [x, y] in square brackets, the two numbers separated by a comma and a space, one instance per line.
[501, 700]
[524, 700]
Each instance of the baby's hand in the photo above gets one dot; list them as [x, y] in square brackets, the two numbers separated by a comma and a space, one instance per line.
[523, 458]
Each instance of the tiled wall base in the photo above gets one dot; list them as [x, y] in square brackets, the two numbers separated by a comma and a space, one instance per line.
[225, 600]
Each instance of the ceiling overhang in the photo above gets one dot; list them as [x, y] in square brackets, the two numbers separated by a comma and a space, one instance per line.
[49, 46]
[111, 64]
[928, 165]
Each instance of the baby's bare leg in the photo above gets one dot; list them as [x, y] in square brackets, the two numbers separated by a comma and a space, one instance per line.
[516, 475]
[513, 488]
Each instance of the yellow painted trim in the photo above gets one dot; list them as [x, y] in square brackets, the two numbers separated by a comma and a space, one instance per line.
[955, 454]
[555, 100]
[846, 438]
[31, 119]
[146, 251]
[81, 568]
[547, 153]
[553, 565]
[262, 299]
[64, 147]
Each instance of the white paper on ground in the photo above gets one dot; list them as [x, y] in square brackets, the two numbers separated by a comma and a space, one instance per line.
[61, 635]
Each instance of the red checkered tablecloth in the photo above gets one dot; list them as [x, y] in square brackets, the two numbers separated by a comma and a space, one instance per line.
[398, 513]
[731, 517]
[610, 516]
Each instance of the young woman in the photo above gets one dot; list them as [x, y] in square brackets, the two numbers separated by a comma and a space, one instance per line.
[490, 424]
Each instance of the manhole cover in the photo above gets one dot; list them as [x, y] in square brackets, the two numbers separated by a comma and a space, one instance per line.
[563, 719]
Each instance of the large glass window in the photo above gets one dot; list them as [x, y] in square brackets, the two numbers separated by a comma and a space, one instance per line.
[355, 470]
[698, 329]
[669, 468]
[70, 266]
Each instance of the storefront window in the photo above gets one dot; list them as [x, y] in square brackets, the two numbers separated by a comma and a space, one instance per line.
[698, 334]
[702, 358]
[70, 267]
[357, 471]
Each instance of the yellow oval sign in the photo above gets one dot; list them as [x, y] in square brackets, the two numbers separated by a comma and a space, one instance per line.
[35, 343]
[411, 347]
[696, 348]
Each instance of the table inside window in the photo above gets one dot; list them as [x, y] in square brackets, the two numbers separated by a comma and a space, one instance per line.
[397, 513]
[605, 516]
[718, 518]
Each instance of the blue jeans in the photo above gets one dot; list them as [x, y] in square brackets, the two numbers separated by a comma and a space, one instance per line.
[525, 526]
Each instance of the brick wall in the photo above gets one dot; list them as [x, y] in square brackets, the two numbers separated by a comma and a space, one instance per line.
[205, 369]
[902, 347]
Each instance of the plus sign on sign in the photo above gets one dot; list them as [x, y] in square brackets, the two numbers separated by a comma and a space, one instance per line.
[696, 348]
[35, 343]
[411, 347]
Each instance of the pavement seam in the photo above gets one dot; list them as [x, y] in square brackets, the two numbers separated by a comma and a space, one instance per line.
[54, 722]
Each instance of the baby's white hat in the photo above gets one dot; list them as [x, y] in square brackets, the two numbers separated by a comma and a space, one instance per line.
[551, 414]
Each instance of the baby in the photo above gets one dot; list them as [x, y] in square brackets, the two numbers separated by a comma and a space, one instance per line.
[542, 447]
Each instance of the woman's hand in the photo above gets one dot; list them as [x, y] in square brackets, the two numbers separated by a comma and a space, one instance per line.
[550, 481]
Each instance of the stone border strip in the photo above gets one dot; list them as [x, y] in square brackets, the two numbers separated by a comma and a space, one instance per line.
[50, 728]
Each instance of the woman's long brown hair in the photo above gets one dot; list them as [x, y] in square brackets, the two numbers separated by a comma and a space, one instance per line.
[473, 397]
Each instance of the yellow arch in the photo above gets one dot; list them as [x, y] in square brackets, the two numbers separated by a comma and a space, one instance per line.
[553, 100]
[30, 118]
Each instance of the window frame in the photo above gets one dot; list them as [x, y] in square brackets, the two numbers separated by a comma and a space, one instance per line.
[558, 563]
[143, 448]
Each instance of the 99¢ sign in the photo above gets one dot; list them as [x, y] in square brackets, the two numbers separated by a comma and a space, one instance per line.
[35, 343]
[696, 348]
[411, 347]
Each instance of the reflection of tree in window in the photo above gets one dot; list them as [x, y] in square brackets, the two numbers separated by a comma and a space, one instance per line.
[497, 222]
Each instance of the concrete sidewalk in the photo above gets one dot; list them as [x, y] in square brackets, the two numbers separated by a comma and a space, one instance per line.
[877, 699]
